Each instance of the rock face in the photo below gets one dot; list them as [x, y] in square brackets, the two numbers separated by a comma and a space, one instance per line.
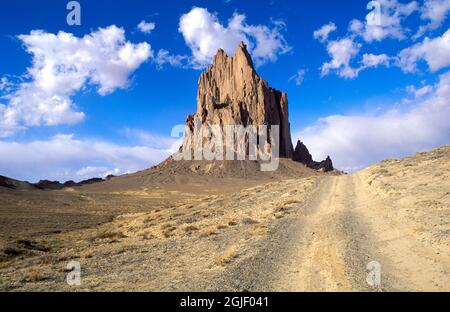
[56, 185]
[49, 185]
[230, 92]
[326, 165]
[6, 182]
[302, 155]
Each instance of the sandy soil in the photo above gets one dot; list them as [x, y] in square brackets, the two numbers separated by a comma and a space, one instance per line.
[313, 232]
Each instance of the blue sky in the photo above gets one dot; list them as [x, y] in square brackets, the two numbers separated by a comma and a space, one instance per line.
[362, 86]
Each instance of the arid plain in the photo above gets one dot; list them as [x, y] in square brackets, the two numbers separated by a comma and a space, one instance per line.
[214, 228]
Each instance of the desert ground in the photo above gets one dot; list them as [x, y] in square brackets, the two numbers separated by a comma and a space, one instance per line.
[209, 227]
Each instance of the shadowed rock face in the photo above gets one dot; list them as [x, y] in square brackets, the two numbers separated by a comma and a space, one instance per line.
[302, 155]
[230, 92]
[56, 185]
[6, 182]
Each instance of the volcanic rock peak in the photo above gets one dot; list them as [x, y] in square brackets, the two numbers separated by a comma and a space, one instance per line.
[230, 92]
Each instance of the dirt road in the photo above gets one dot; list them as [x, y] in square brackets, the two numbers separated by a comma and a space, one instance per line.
[329, 243]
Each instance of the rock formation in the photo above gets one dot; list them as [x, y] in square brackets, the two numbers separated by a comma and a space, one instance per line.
[230, 92]
[302, 155]
[56, 185]
[6, 182]
[46, 184]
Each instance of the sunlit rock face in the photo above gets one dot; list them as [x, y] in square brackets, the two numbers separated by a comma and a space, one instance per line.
[230, 92]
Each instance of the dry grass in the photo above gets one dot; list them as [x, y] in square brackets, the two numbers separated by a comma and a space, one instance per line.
[184, 231]
[190, 228]
[292, 202]
[257, 230]
[209, 231]
[35, 274]
[418, 187]
[109, 234]
[227, 257]
[12, 251]
[249, 220]
[278, 215]
[282, 209]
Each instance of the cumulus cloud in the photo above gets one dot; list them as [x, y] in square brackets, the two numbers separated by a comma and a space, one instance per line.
[357, 141]
[146, 27]
[435, 52]
[64, 157]
[373, 60]
[205, 34]
[62, 65]
[434, 11]
[323, 32]
[385, 22]
[341, 52]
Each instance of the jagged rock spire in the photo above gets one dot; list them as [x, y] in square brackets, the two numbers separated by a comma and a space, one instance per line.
[230, 92]
[302, 155]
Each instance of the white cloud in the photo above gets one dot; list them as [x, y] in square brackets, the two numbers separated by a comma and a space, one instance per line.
[436, 52]
[390, 18]
[435, 11]
[5, 84]
[373, 60]
[62, 65]
[357, 141]
[146, 27]
[164, 57]
[97, 172]
[299, 77]
[205, 34]
[64, 157]
[341, 51]
[388, 24]
[323, 32]
[356, 26]
[419, 92]
[145, 138]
